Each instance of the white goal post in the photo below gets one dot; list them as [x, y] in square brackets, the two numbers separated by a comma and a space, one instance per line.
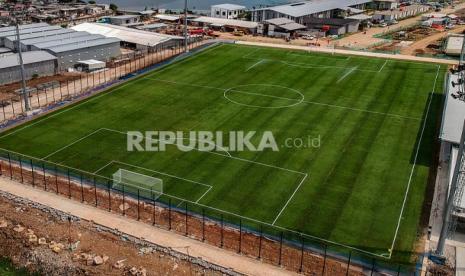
[134, 183]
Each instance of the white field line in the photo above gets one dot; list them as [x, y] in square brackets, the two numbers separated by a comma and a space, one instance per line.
[125, 133]
[384, 65]
[70, 144]
[105, 93]
[308, 102]
[289, 200]
[232, 157]
[414, 163]
[310, 54]
[255, 65]
[234, 214]
[347, 74]
[203, 195]
[158, 172]
[100, 169]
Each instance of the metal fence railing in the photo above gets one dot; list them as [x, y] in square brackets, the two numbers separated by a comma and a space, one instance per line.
[289, 249]
[118, 69]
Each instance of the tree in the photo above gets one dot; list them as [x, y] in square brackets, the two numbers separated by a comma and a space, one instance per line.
[113, 7]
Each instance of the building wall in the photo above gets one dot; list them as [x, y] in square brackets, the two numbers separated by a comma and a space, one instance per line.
[13, 74]
[103, 53]
[224, 13]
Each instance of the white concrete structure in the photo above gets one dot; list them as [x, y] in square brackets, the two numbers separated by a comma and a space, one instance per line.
[227, 11]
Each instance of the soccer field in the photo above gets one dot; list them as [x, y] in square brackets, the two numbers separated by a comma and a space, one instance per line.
[362, 185]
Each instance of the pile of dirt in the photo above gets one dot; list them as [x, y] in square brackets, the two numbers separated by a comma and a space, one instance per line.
[52, 243]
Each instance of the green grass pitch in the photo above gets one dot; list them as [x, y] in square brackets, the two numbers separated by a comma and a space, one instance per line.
[376, 120]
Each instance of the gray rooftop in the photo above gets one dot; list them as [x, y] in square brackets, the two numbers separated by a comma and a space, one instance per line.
[73, 40]
[87, 44]
[454, 115]
[35, 40]
[41, 34]
[29, 31]
[231, 7]
[313, 7]
[23, 27]
[28, 58]
[123, 17]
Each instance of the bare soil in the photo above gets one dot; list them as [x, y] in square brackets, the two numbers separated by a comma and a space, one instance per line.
[90, 241]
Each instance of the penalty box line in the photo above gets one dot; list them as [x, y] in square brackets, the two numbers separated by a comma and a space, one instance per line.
[233, 214]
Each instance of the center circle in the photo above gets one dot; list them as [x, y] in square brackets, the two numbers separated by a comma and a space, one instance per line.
[273, 96]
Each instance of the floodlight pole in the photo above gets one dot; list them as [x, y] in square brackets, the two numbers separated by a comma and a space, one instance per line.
[450, 200]
[185, 27]
[24, 93]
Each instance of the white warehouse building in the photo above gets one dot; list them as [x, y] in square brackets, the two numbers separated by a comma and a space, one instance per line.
[227, 11]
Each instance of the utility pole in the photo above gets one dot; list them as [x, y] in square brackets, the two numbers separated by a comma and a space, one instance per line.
[24, 93]
[185, 27]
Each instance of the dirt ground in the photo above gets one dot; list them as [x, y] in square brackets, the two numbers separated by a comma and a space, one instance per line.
[422, 45]
[7, 90]
[23, 226]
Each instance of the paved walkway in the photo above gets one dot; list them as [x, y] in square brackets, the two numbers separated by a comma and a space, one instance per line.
[350, 52]
[141, 230]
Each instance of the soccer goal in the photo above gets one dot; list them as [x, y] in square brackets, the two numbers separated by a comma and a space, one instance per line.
[134, 183]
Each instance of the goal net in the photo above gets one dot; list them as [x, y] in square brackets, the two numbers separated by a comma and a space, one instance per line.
[134, 183]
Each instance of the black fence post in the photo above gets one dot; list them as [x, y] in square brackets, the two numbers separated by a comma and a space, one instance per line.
[69, 184]
[9, 163]
[45, 178]
[203, 225]
[138, 204]
[124, 207]
[372, 266]
[324, 260]
[260, 242]
[240, 236]
[21, 169]
[153, 214]
[187, 229]
[281, 248]
[301, 269]
[222, 231]
[32, 170]
[109, 196]
[56, 179]
[169, 214]
[95, 191]
[82, 188]
[348, 263]
[398, 270]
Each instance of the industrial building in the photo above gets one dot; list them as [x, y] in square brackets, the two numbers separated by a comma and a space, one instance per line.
[227, 11]
[69, 55]
[232, 24]
[36, 64]
[67, 47]
[299, 12]
[333, 26]
[132, 38]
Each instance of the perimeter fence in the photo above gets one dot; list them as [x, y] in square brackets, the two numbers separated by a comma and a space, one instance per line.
[289, 249]
[121, 68]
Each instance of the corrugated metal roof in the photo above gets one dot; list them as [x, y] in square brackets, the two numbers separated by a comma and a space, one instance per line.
[73, 40]
[123, 17]
[23, 27]
[86, 44]
[453, 159]
[279, 21]
[227, 22]
[31, 41]
[40, 34]
[29, 31]
[167, 17]
[315, 6]
[125, 34]
[28, 58]
[152, 26]
[231, 7]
